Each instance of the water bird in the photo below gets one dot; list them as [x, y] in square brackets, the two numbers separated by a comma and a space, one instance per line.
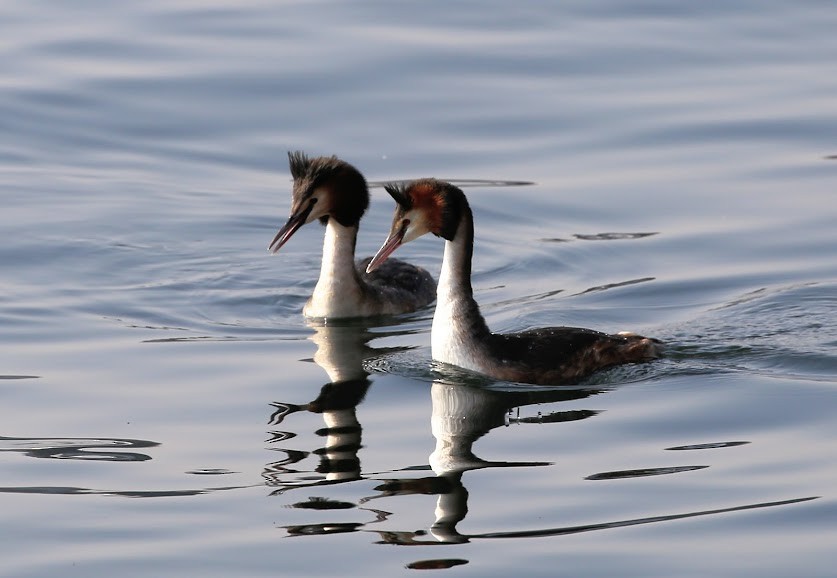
[335, 193]
[460, 336]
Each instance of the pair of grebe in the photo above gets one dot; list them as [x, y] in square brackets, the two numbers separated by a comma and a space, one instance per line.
[333, 191]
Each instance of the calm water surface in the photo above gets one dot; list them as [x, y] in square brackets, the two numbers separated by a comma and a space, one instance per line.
[167, 411]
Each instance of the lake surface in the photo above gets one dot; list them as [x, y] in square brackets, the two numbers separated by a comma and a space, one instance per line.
[167, 411]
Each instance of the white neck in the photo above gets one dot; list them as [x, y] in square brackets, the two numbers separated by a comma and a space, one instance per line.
[338, 288]
[457, 323]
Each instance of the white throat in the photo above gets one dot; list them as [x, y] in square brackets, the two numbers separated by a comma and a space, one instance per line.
[337, 290]
[450, 337]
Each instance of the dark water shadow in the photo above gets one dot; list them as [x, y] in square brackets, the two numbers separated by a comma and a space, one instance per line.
[566, 530]
[92, 449]
[88, 449]
[461, 183]
[608, 286]
[642, 473]
[609, 236]
[708, 446]
[76, 491]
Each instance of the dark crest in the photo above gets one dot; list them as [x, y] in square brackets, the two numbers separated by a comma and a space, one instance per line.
[299, 163]
[398, 191]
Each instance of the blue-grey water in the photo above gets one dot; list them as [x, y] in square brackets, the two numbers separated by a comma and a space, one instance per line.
[166, 410]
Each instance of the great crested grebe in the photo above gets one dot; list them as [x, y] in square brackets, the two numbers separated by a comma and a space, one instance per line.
[333, 191]
[460, 336]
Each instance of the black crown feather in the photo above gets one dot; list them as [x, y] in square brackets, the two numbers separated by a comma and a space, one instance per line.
[398, 191]
[299, 163]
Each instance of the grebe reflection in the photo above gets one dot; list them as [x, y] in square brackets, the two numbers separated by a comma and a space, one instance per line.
[341, 350]
[462, 414]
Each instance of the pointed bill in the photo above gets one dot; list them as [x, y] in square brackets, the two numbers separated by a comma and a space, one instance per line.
[391, 244]
[286, 232]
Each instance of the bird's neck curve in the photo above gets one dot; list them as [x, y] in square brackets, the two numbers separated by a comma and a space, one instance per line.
[458, 325]
[455, 277]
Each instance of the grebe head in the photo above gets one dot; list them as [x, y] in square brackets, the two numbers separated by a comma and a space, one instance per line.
[324, 187]
[423, 206]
